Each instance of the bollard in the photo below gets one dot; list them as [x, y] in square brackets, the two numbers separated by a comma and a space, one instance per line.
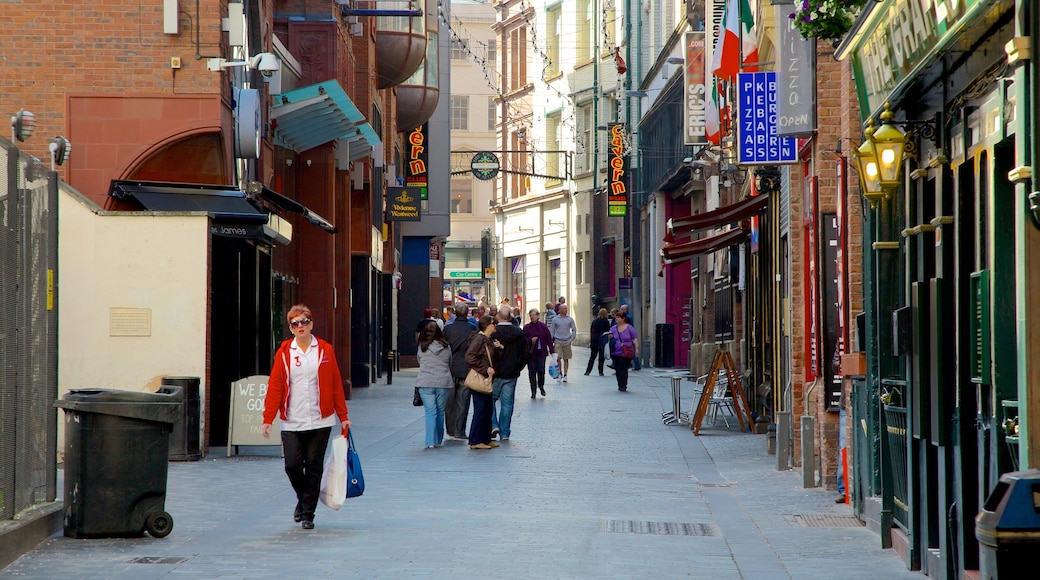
[783, 440]
[390, 367]
[808, 452]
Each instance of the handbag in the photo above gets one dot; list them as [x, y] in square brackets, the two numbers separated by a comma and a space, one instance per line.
[554, 367]
[416, 398]
[478, 382]
[628, 351]
[342, 477]
[355, 477]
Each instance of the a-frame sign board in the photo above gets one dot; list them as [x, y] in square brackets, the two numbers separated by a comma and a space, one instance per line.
[723, 363]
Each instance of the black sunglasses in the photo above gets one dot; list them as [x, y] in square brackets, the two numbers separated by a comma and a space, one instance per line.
[299, 322]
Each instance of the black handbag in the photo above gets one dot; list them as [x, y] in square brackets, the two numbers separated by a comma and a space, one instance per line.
[416, 398]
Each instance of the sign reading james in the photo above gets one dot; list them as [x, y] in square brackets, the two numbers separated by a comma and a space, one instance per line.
[247, 414]
[402, 204]
[415, 174]
[756, 121]
[694, 117]
[617, 172]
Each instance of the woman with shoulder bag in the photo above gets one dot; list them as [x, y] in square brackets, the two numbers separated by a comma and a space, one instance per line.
[434, 381]
[478, 357]
[624, 350]
[539, 347]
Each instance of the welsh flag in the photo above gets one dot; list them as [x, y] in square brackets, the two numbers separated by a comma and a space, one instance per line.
[712, 129]
[738, 37]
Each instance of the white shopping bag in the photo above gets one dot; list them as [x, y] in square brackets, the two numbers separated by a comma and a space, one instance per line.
[334, 477]
[554, 367]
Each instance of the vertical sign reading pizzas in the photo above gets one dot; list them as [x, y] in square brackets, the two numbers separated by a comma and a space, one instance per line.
[617, 172]
[416, 175]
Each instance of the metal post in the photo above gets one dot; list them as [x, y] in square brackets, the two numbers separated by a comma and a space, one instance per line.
[783, 440]
[390, 367]
[808, 452]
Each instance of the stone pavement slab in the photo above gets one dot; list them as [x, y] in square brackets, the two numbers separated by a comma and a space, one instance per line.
[591, 485]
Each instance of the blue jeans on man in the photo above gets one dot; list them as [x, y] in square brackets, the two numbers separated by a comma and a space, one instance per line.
[503, 392]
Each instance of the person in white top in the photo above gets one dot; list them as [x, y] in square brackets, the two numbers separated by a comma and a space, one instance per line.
[305, 390]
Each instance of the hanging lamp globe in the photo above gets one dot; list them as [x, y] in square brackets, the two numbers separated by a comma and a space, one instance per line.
[869, 174]
[889, 145]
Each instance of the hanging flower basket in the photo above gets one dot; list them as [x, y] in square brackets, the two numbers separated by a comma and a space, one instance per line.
[826, 19]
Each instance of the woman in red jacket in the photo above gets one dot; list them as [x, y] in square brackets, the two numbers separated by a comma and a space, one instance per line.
[305, 390]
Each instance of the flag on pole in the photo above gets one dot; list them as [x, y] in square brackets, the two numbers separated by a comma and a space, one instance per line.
[738, 36]
[712, 129]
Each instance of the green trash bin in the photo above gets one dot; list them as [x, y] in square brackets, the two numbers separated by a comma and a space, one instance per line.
[1008, 527]
[117, 447]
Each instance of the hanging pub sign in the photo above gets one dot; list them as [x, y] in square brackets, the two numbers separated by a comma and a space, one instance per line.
[415, 171]
[758, 142]
[694, 112]
[617, 172]
[402, 204]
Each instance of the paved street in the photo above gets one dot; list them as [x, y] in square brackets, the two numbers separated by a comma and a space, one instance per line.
[591, 485]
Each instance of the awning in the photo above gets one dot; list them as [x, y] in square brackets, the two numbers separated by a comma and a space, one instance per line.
[673, 253]
[310, 116]
[719, 217]
[222, 202]
[279, 201]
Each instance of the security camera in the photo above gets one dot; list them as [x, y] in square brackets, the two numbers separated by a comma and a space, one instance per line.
[267, 63]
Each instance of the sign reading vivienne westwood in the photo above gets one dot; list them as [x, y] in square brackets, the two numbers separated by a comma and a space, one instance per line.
[415, 172]
[795, 74]
[694, 118]
[402, 204]
[617, 172]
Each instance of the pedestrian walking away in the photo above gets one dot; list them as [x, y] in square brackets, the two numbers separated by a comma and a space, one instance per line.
[563, 331]
[539, 347]
[512, 357]
[305, 391]
[478, 359]
[457, 333]
[550, 313]
[598, 333]
[434, 381]
[625, 349]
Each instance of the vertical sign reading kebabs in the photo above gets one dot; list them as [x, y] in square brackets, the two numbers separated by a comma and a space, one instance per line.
[617, 172]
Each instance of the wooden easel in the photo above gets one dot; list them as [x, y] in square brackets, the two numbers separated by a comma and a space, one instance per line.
[723, 363]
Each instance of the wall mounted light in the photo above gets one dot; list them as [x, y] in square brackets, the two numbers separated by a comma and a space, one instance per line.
[23, 123]
[60, 150]
[867, 163]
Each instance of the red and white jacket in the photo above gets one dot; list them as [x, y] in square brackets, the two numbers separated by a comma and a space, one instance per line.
[330, 384]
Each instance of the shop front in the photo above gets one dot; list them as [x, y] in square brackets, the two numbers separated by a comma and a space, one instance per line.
[943, 96]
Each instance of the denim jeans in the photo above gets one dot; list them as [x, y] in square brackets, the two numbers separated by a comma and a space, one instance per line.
[502, 391]
[480, 425]
[456, 414]
[434, 400]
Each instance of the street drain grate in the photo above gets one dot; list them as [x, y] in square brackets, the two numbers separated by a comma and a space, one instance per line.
[158, 560]
[827, 521]
[660, 528]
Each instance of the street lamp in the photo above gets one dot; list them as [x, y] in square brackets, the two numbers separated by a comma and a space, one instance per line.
[23, 123]
[889, 144]
[867, 163]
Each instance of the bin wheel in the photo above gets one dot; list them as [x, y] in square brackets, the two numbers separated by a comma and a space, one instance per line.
[159, 524]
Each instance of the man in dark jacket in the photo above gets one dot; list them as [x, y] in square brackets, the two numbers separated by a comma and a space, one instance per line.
[510, 362]
[456, 411]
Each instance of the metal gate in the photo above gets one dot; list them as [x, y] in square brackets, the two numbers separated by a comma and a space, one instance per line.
[28, 331]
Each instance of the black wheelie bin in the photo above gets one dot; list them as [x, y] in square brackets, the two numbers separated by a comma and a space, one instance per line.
[117, 448]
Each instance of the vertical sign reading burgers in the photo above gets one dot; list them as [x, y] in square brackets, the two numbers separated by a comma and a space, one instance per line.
[617, 172]
[415, 175]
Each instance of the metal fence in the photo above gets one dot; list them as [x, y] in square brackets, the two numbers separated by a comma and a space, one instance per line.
[28, 331]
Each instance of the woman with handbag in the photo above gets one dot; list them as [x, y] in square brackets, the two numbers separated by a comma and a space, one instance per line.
[624, 349]
[539, 347]
[478, 357]
[305, 391]
[434, 381]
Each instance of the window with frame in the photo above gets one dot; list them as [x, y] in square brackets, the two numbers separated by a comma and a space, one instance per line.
[555, 278]
[517, 58]
[492, 112]
[460, 113]
[461, 195]
[491, 52]
[518, 181]
[553, 138]
[583, 148]
[583, 14]
[458, 49]
[580, 259]
[553, 32]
